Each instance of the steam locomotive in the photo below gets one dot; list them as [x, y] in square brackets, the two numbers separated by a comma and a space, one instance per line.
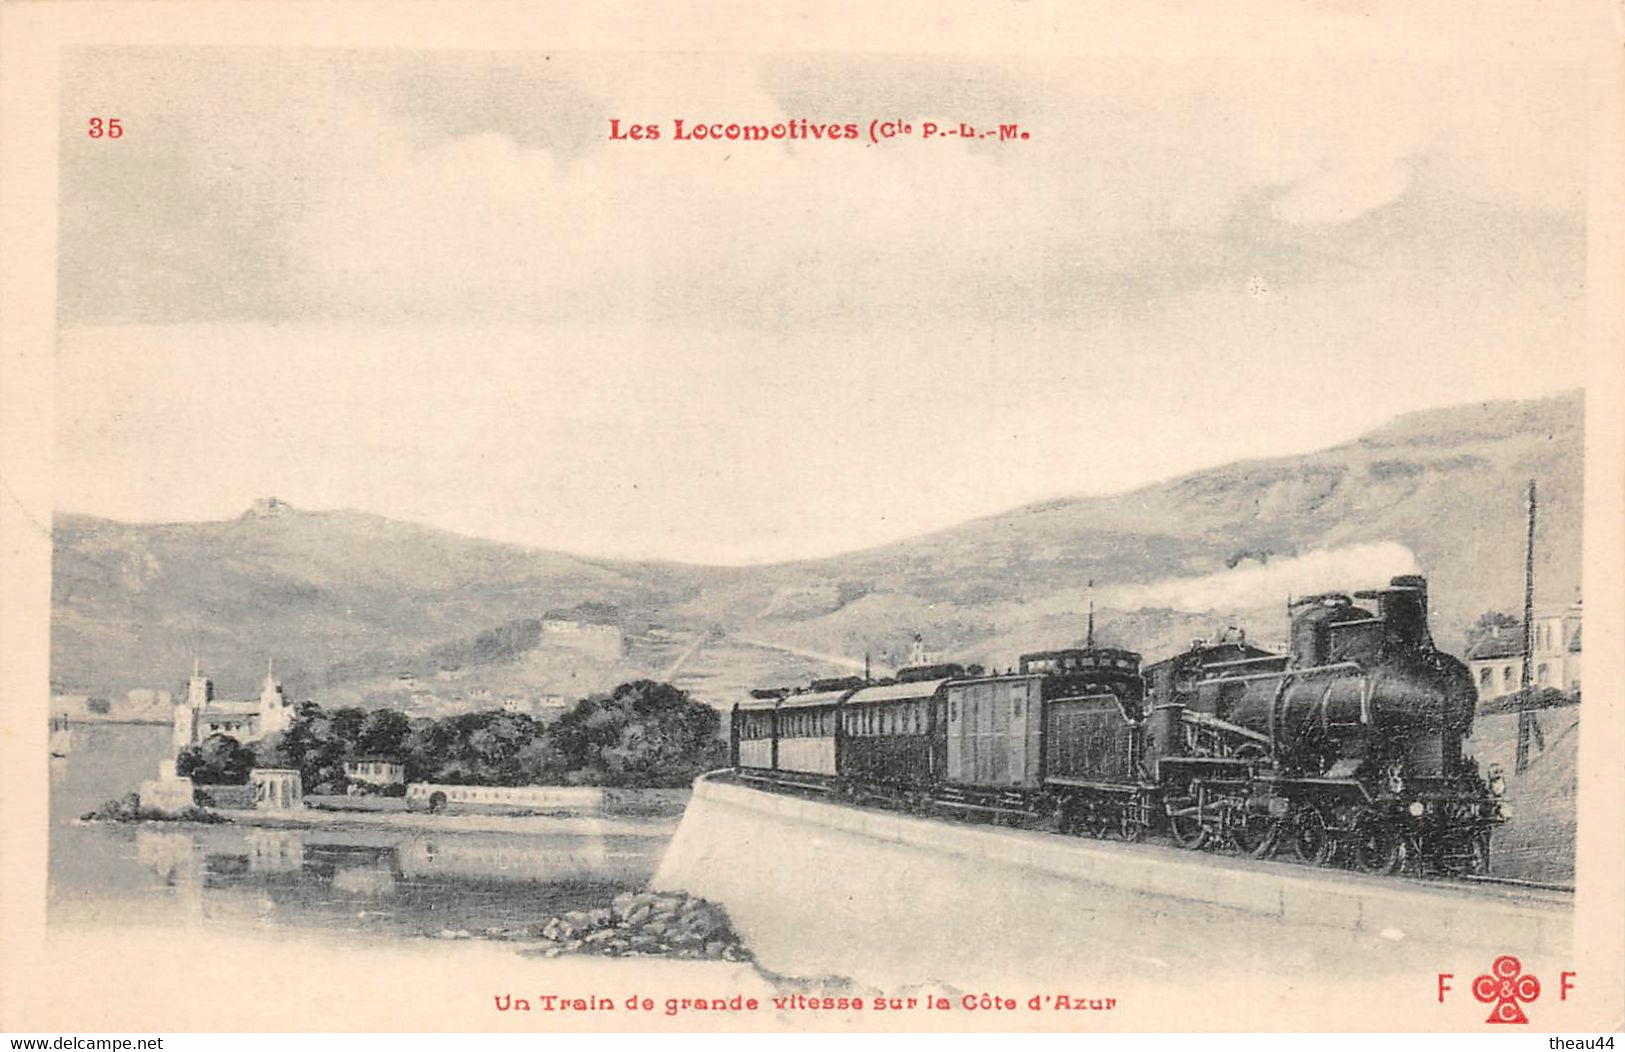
[1346, 748]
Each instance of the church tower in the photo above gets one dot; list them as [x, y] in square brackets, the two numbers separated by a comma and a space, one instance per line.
[275, 713]
[199, 692]
[199, 689]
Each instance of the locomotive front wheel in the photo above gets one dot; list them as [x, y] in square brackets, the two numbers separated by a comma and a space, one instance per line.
[1311, 840]
[1378, 847]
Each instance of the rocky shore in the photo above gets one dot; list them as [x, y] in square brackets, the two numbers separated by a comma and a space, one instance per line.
[647, 924]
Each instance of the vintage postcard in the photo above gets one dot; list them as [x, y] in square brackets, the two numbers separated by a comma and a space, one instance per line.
[692, 518]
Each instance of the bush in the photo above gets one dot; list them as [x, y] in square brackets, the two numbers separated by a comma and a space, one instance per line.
[127, 808]
[220, 760]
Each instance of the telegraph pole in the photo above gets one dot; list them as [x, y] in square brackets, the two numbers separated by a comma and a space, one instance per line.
[1089, 638]
[1527, 726]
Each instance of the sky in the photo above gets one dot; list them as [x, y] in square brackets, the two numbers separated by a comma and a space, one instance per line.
[428, 284]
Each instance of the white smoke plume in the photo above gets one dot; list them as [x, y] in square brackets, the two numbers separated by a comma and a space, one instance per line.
[1251, 584]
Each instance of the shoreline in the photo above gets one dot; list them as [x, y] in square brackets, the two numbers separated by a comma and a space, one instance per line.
[420, 821]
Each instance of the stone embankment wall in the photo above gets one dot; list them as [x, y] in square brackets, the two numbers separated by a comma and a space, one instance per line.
[816, 888]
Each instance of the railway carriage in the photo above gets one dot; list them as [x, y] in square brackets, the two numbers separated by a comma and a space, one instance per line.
[892, 735]
[753, 732]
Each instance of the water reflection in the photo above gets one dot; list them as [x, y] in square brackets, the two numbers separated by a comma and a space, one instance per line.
[349, 877]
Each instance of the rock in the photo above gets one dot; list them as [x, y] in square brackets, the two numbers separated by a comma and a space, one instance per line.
[639, 914]
[599, 937]
[715, 947]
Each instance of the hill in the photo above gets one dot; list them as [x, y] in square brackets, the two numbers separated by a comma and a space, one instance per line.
[348, 603]
[1440, 492]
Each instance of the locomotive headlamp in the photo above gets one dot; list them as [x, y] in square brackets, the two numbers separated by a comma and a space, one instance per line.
[1417, 809]
[1503, 810]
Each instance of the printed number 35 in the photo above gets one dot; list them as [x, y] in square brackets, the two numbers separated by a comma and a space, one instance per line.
[110, 128]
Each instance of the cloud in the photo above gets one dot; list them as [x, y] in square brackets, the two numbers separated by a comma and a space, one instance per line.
[1343, 195]
[472, 185]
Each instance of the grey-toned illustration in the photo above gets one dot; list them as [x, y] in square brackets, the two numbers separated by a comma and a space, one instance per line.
[838, 524]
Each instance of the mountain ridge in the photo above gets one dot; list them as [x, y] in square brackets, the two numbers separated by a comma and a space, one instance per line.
[342, 588]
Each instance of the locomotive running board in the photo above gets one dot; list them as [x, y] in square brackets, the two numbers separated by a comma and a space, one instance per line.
[963, 806]
[1105, 787]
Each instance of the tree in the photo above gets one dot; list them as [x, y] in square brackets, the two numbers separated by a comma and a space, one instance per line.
[383, 733]
[219, 760]
[313, 745]
[1489, 623]
[643, 734]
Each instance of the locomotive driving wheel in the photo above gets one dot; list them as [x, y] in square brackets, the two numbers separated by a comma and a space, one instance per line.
[1311, 840]
[1254, 834]
[1378, 846]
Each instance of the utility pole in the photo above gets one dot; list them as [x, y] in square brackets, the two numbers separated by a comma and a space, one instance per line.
[1089, 637]
[1528, 725]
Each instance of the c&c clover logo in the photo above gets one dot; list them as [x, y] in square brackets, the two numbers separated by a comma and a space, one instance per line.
[1508, 988]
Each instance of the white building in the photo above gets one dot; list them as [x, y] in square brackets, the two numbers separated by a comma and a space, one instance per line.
[378, 771]
[202, 714]
[590, 629]
[1497, 659]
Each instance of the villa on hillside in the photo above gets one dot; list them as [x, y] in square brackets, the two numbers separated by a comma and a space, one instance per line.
[591, 626]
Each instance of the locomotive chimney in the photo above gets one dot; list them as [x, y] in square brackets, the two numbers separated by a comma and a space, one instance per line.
[1404, 606]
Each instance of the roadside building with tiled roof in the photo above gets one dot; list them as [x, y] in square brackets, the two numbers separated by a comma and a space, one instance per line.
[1497, 659]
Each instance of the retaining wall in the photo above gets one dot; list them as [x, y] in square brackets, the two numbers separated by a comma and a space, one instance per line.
[821, 888]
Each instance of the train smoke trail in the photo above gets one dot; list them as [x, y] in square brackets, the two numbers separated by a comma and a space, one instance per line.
[1252, 584]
